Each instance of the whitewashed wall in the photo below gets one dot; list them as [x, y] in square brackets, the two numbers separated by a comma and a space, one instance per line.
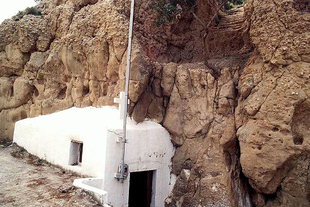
[148, 147]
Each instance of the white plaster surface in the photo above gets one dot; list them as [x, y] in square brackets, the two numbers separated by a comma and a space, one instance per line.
[148, 148]
[94, 186]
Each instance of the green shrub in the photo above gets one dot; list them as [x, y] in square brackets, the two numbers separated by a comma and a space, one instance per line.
[33, 10]
[238, 2]
[231, 4]
[167, 9]
[28, 11]
[228, 5]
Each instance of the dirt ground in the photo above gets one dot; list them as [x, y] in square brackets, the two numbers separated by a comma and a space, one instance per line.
[26, 181]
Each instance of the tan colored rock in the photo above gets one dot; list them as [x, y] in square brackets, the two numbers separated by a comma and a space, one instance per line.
[274, 104]
[75, 55]
[139, 75]
[12, 60]
[67, 58]
[16, 93]
[156, 87]
[168, 77]
[156, 110]
[140, 110]
[295, 185]
[280, 36]
[8, 119]
[190, 103]
[207, 151]
[174, 117]
[6, 87]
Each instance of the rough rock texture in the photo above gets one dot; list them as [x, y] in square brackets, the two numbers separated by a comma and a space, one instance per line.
[71, 57]
[200, 115]
[232, 88]
[274, 107]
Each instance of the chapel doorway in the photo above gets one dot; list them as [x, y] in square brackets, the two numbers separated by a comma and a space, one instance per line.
[141, 189]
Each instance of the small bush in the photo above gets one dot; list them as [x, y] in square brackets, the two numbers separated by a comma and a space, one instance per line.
[28, 11]
[238, 2]
[168, 9]
[228, 5]
[33, 10]
[232, 3]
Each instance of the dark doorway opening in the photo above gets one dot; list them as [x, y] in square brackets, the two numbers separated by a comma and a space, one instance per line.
[140, 189]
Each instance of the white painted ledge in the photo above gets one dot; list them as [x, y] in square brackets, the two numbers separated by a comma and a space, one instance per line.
[94, 187]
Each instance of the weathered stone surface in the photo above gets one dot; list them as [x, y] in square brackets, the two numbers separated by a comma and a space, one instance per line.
[70, 57]
[139, 75]
[9, 117]
[238, 118]
[274, 103]
[270, 135]
[168, 77]
[208, 146]
[140, 110]
[18, 93]
[187, 113]
[156, 110]
[279, 31]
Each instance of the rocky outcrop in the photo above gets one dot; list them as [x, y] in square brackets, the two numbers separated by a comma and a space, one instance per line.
[200, 115]
[232, 88]
[71, 57]
[274, 104]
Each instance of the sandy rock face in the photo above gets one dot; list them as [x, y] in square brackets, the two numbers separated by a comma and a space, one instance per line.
[273, 108]
[71, 57]
[235, 96]
[200, 115]
[75, 55]
[189, 105]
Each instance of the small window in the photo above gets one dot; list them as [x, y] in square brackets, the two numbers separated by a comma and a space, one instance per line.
[76, 153]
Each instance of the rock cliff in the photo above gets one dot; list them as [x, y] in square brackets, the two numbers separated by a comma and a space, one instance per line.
[232, 87]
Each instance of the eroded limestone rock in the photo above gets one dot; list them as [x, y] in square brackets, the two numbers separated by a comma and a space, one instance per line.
[237, 104]
[274, 91]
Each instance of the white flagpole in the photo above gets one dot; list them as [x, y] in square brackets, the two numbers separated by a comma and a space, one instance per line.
[123, 167]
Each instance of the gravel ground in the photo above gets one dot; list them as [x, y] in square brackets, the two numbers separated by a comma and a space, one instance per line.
[26, 181]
